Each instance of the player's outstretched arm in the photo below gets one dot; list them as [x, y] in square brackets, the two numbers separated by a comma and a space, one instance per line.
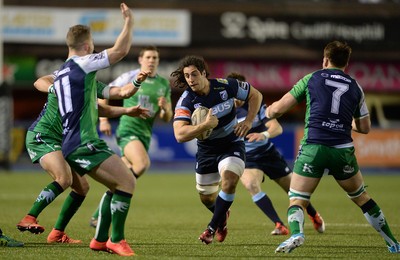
[116, 111]
[124, 41]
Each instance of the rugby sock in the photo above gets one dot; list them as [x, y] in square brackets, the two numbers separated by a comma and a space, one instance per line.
[46, 196]
[222, 205]
[104, 217]
[376, 219]
[311, 210]
[265, 204]
[96, 214]
[295, 219]
[120, 203]
[68, 210]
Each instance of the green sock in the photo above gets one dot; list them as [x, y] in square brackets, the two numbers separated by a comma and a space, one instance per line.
[96, 214]
[296, 219]
[120, 203]
[68, 210]
[378, 221]
[104, 217]
[46, 196]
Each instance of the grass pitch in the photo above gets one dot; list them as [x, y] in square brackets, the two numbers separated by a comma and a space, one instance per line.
[166, 218]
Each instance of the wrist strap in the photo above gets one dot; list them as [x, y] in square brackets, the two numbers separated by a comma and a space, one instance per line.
[136, 83]
[51, 89]
[266, 134]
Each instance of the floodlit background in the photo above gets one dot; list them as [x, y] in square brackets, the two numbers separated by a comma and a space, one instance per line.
[272, 42]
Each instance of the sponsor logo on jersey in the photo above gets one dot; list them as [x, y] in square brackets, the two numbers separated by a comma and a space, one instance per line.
[333, 124]
[224, 81]
[197, 105]
[340, 77]
[223, 95]
[222, 107]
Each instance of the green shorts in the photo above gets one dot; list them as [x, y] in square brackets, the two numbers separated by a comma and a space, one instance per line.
[122, 141]
[39, 145]
[313, 159]
[88, 156]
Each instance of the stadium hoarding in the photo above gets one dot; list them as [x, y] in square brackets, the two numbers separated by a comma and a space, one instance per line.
[271, 76]
[238, 28]
[43, 25]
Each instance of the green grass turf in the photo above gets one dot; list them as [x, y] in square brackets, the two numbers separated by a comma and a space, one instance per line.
[166, 218]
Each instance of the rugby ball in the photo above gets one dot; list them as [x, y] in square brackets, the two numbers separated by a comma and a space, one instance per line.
[198, 117]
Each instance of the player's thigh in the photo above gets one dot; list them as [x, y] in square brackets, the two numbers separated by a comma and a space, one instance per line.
[352, 184]
[114, 174]
[300, 183]
[80, 184]
[56, 166]
[252, 178]
[137, 154]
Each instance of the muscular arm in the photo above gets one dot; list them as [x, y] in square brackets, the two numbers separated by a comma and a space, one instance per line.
[116, 111]
[43, 83]
[123, 43]
[185, 132]
[280, 107]
[254, 101]
[362, 125]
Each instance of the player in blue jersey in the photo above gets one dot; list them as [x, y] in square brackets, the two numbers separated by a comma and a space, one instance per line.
[262, 157]
[335, 106]
[85, 152]
[220, 158]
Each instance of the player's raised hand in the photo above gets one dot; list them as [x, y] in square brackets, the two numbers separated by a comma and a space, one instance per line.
[142, 76]
[126, 12]
[137, 111]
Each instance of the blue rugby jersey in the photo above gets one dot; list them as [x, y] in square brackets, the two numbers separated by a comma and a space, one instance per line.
[333, 98]
[221, 100]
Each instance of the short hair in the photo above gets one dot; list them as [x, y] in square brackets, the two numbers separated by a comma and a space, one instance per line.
[187, 61]
[236, 75]
[149, 48]
[338, 53]
[77, 35]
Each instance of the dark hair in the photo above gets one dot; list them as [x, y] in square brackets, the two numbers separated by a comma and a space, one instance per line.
[187, 61]
[338, 53]
[236, 75]
[148, 48]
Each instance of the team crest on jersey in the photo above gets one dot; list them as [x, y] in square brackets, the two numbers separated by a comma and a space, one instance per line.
[224, 81]
[223, 95]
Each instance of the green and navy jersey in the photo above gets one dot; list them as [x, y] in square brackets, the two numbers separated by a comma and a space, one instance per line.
[147, 97]
[258, 126]
[221, 101]
[48, 122]
[333, 98]
[76, 89]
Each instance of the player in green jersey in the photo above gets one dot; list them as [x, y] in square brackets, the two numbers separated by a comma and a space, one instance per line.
[43, 142]
[335, 106]
[134, 134]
